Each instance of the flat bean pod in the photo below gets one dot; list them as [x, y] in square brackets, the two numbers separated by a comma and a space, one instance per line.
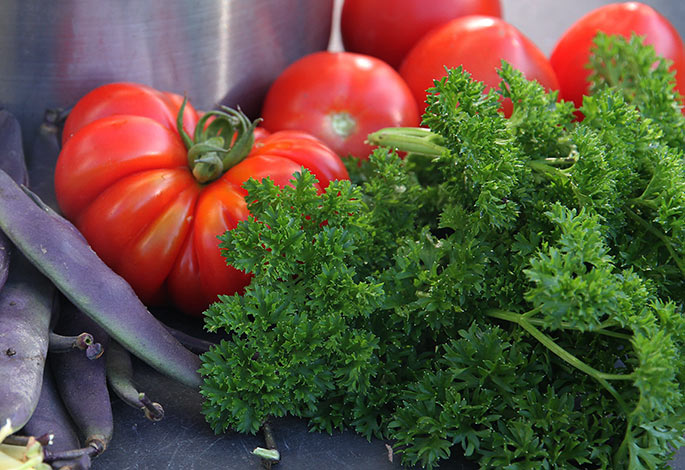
[13, 163]
[11, 149]
[50, 417]
[25, 311]
[82, 382]
[5, 254]
[52, 244]
[120, 378]
[195, 344]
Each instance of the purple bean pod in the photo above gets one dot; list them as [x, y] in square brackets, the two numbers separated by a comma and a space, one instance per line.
[120, 378]
[12, 159]
[13, 163]
[50, 417]
[25, 311]
[194, 343]
[54, 246]
[82, 382]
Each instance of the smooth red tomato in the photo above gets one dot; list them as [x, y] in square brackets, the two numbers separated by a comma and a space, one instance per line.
[478, 43]
[125, 182]
[387, 29]
[570, 55]
[339, 97]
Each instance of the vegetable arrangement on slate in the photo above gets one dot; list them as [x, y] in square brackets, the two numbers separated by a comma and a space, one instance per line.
[507, 286]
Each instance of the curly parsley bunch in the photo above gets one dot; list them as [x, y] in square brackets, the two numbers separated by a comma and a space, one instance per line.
[511, 290]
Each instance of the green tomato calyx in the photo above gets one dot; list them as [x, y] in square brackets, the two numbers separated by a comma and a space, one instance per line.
[222, 139]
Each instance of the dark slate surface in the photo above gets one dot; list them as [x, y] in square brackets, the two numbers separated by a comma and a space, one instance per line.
[183, 440]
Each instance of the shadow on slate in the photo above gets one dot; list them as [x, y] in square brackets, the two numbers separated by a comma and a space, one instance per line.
[183, 440]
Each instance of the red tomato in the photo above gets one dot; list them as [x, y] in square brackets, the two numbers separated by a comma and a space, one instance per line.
[129, 98]
[479, 43]
[124, 180]
[571, 53]
[387, 29]
[260, 133]
[339, 97]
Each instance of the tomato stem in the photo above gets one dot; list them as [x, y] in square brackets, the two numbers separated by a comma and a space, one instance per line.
[204, 159]
[187, 141]
[207, 168]
[222, 139]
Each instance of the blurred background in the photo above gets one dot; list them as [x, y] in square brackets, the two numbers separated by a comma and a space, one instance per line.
[543, 21]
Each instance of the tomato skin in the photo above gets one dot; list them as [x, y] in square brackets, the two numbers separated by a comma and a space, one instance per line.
[132, 143]
[572, 51]
[479, 43]
[319, 160]
[324, 89]
[388, 29]
[131, 99]
[124, 181]
[200, 272]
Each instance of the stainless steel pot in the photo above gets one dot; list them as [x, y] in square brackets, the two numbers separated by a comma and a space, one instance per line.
[215, 51]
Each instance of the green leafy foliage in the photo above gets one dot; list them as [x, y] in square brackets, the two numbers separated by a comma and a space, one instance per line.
[292, 340]
[511, 290]
[642, 77]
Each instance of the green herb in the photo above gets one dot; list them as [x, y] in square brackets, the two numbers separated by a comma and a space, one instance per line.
[512, 290]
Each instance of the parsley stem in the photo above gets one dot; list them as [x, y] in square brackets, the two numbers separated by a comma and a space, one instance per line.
[541, 166]
[563, 354]
[560, 161]
[409, 139]
[649, 189]
[660, 235]
[641, 201]
[269, 454]
[568, 326]
[530, 313]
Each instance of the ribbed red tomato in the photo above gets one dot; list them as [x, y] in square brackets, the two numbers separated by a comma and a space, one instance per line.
[571, 54]
[152, 205]
[478, 43]
[387, 29]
